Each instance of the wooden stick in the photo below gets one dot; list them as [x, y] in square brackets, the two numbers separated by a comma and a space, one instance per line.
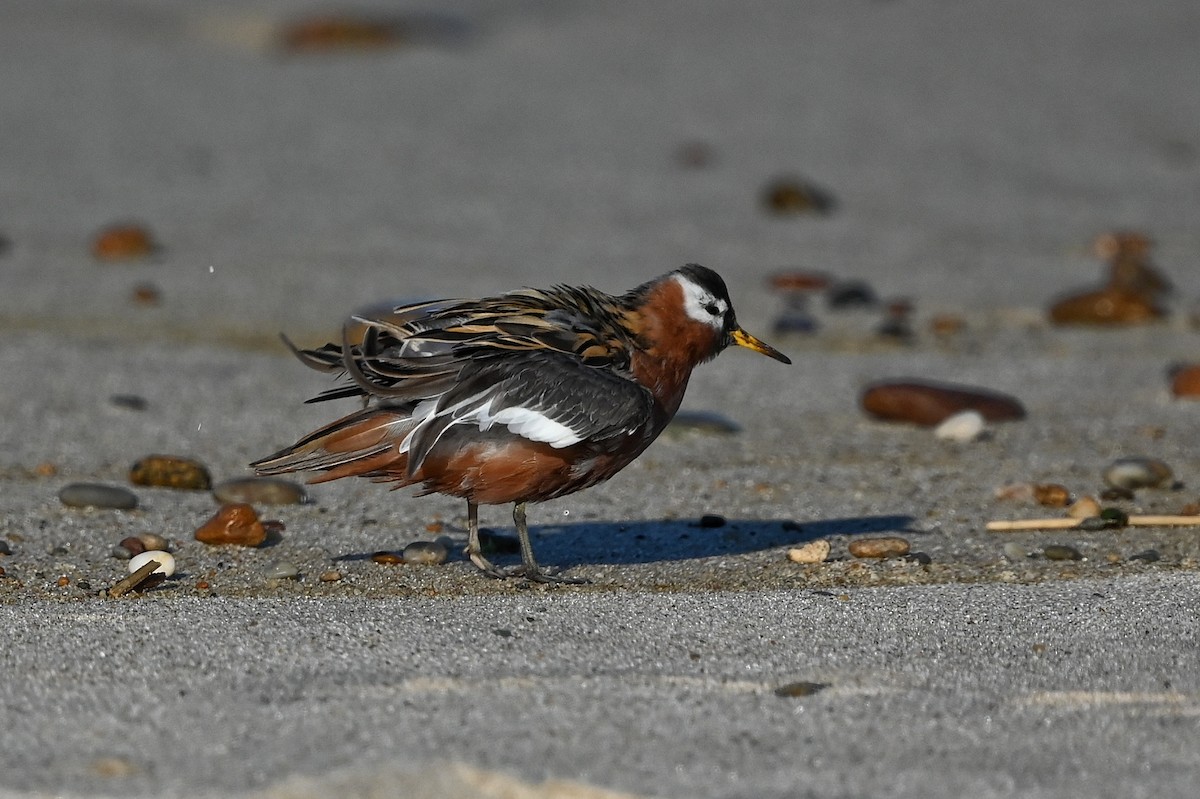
[133, 580]
[1006, 526]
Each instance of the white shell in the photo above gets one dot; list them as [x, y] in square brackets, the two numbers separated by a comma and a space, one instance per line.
[166, 562]
[963, 427]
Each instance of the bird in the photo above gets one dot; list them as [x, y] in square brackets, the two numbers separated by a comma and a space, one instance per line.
[522, 397]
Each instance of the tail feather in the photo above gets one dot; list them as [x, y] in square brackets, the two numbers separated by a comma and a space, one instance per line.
[364, 442]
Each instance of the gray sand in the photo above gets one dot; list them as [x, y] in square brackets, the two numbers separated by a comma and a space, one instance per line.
[974, 150]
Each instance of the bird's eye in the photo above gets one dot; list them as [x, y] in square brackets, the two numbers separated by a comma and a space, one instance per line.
[712, 309]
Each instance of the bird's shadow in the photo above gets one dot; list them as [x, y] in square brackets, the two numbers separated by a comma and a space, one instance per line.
[615, 543]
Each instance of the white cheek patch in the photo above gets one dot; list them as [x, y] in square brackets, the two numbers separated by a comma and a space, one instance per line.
[695, 300]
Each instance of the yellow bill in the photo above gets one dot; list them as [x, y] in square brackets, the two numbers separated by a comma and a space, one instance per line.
[744, 339]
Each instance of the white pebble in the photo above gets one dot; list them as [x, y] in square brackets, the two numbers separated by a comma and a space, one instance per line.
[812, 552]
[165, 560]
[963, 427]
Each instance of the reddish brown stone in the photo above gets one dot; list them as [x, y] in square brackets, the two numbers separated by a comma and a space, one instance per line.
[928, 403]
[1107, 306]
[133, 545]
[235, 523]
[885, 547]
[331, 33]
[1052, 495]
[123, 243]
[1185, 381]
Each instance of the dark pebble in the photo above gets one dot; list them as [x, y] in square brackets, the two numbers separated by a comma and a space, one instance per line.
[1061, 552]
[130, 402]
[919, 557]
[800, 689]
[133, 545]
[261, 491]
[712, 520]
[791, 196]
[850, 294]
[97, 495]
[1148, 555]
[4, 548]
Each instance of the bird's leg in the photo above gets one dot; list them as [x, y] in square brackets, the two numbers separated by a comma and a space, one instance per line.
[474, 549]
[529, 568]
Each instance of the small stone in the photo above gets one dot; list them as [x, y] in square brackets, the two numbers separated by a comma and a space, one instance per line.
[1014, 551]
[261, 491]
[4, 548]
[812, 552]
[387, 558]
[711, 521]
[63, 581]
[883, 547]
[235, 523]
[121, 553]
[113, 767]
[331, 33]
[1135, 473]
[124, 242]
[134, 546]
[1147, 555]
[202, 585]
[928, 403]
[282, 570]
[169, 471]
[330, 576]
[425, 553]
[146, 294]
[963, 427]
[1109, 306]
[792, 196]
[800, 689]
[947, 325]
[96, 495]
[850, 294]
[1051, 495]
[1084, 508]
[45, 469]
[128, 402]
[1061, 552]
[798, 281]
[920, 558]
[1185, 381]
[166, 562]
[151, 541]
[706, 422]
[1116, 495]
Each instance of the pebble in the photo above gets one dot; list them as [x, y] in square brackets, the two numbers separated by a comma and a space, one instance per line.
[883, 547]
[1185, 381]
[1147, 555]
[282, 570]
[928, 403]
[1051, 495]
[947, 325]
[125, 242]
[963, 427]
[128, 402]
[165, 560]
[707, 422]
[235, 523]
[169, 471]
[1084, 508]
[798, 281]
[1061, 552]
[425, 553]
[711, 521]
[850, 294]
[387, 558]
[1134, 473]
[1015, 551]
[146, 293]
[261, 491]
[351, 32]
[330, 576]
[152, 541]
[96, 495]
[800, 689]
[1107, 306]
[812, 552]
[792, 196]
[134, 546]
[4, 548]
[121, 553]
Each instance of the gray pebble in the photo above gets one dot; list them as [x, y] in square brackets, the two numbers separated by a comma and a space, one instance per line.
[153, 541]
[1134, 473]
[1015, 551]
[1148, 555]
[706, 422]
[97, 495]
[1061, 552]
[261, 491]
[425, 553]
[800, 689]
[283, 570]
[4, 548]
[121, 553]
